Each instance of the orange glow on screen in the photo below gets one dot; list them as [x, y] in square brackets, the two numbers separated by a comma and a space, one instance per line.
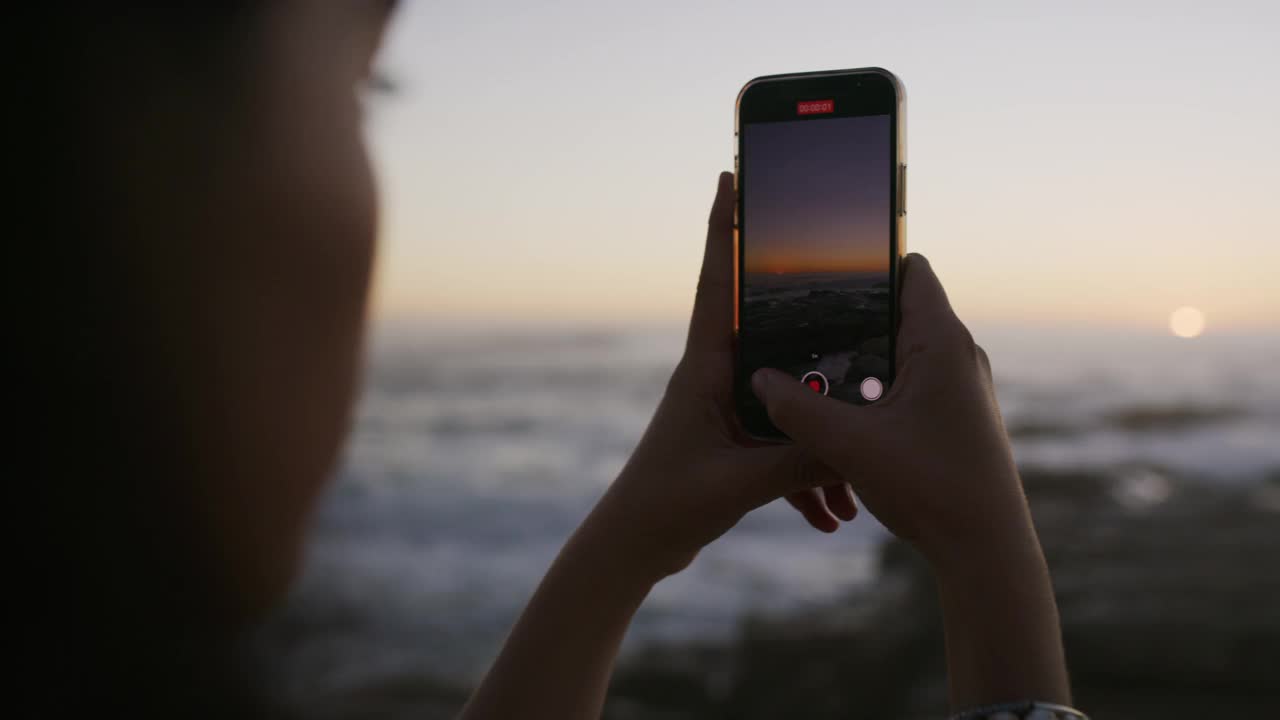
[853, 257]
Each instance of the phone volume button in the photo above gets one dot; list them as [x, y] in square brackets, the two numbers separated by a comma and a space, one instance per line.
[902, 189]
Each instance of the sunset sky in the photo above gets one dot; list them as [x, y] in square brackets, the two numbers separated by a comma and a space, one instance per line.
[817, 195]
[1088, 163]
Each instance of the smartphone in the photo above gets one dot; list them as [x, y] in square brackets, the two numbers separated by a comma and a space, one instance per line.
[820, 174]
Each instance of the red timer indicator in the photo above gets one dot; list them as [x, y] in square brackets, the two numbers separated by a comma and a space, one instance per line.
[815, 107]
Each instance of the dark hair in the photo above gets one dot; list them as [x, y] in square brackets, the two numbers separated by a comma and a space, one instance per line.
[113, 611]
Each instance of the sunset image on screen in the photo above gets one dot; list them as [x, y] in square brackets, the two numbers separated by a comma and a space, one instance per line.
[815, 242]
[817, 196]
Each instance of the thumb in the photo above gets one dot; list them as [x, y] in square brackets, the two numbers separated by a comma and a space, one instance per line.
[818, 423]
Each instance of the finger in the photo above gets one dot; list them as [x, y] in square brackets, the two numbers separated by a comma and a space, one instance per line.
[767, 473]
[712, 325]
[928, 320]
[922, 292]
[812, 506]
[926, 311]
[840, 501]
[824, 426]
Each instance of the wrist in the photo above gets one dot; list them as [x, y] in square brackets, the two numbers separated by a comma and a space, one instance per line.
[1009, 548]
[616, 553]
[994, 529]
[1012, 568]
[1001, 620]
[636, 544]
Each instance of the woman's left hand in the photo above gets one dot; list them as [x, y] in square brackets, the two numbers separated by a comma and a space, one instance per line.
[695, 474]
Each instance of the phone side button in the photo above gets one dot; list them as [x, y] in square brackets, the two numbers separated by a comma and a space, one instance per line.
[902, 189]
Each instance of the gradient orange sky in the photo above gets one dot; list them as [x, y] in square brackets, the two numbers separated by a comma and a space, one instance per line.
[852, 261]
[816, 195]
[1091, 163]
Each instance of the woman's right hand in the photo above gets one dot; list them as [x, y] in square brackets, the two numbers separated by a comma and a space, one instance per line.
[931, 459]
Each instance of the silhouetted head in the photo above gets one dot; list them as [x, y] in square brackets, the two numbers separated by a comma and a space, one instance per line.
[203, 219]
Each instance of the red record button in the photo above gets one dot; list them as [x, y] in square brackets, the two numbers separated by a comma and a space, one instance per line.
[816, 381]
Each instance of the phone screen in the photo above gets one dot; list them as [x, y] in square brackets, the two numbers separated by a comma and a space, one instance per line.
[816, 254]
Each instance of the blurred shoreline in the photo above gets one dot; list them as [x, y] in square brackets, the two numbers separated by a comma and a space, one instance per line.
[475, 453]
[1145, 638]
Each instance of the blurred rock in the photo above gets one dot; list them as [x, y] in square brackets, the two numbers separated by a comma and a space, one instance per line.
[1035, 428]
[1163, 418]
[1169, 593]
[1175, 603]
[1267, 495]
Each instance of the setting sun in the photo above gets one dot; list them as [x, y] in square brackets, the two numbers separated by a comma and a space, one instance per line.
[1186, 322]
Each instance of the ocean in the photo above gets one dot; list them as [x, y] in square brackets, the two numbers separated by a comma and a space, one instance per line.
[474, 454]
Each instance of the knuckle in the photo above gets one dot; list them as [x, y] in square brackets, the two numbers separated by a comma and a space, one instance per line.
[684, 380]
[952, 342]
[679, 376]
[959, 337]
[685, 376]
[942, 335]
[696, 378]
[984, 361]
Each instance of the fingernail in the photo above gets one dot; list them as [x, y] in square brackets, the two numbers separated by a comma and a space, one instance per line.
[760, 382]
